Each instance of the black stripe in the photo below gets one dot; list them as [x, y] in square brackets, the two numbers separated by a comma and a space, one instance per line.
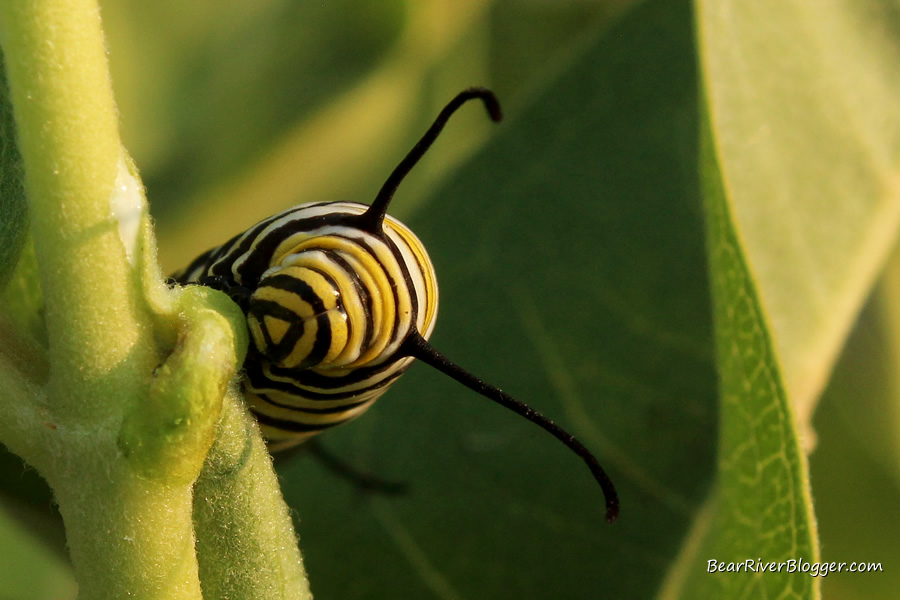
[220, 260]
[360, 290]
[404, 268]
[316, 380]
[339, 298]
[258, 260]
[295, 426]
[276, 352]
[368, 248]
[228, 253]
[333, 410]
[257, 379]
[198, 267]
[261, 308]
[322, 343]
[223, 260]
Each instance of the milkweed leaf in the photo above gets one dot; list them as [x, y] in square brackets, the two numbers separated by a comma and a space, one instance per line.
[761, 509]
[13, 208]
[572, 273]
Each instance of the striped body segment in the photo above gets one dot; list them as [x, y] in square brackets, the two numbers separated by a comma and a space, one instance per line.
[328, 304]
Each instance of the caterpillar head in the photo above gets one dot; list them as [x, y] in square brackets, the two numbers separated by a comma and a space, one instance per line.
[341, 297]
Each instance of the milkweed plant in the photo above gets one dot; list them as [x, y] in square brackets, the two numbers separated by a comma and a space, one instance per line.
[118, 406]
[667, 243]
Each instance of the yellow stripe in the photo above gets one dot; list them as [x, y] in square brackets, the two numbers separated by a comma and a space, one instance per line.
[428, 304]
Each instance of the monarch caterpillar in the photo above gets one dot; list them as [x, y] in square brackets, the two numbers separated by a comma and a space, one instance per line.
[340, 299]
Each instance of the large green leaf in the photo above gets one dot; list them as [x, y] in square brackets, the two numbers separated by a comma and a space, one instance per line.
[762, 509]
[570, 255]
[13, 210]
[803, 103]
[20, 293]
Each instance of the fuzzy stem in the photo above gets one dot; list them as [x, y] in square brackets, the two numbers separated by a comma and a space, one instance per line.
[68, 134]
[129, 535]
[246, 545]
[125, 406]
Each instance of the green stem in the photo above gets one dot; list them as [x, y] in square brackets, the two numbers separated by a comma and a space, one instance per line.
[68, 134]
[246, 545]
[128, 537]
[123, 411]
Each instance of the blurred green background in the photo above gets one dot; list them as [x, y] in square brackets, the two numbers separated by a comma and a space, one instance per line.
[569, 246]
